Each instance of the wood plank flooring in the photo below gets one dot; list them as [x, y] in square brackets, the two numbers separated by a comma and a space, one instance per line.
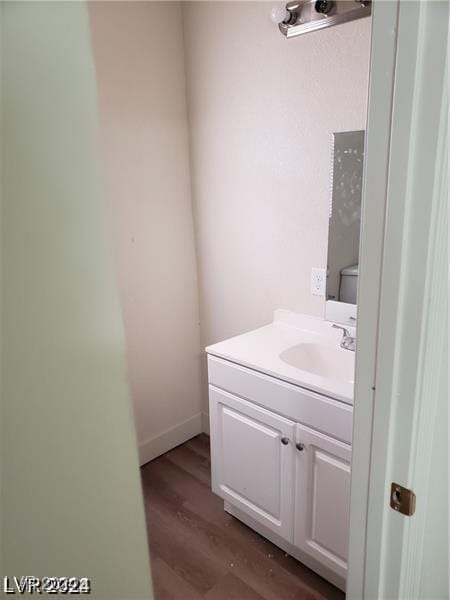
[199, 551]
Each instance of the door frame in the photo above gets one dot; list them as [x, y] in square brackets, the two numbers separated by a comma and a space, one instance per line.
[402, 298]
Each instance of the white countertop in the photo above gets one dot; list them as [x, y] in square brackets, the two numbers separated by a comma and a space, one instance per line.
[262, 350]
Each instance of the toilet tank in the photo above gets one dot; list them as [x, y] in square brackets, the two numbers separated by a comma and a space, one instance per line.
[349, 284]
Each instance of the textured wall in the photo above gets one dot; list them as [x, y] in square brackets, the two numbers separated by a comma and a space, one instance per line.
[262, 110]
[141, 81]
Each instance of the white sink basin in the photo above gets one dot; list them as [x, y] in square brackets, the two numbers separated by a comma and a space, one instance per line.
[321, 360]
[297, 349]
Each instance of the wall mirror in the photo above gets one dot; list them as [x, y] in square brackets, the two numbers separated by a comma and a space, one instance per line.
[345, 216]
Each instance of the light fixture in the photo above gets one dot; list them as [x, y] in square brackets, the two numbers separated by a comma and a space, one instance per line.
[304, 16]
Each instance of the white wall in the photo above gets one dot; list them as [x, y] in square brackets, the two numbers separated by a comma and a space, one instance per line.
[139, 61]
[261, 113]
[71, 500]
[262, 110]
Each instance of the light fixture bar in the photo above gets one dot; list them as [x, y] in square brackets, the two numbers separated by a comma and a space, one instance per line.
[311, 15]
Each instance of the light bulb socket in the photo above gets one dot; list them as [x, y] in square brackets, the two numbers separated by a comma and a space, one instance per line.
[293, 9]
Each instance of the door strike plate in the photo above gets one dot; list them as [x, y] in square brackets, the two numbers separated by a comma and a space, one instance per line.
[402, 499]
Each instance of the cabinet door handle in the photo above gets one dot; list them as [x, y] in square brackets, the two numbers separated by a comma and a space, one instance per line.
[285, 441]
[300, 446]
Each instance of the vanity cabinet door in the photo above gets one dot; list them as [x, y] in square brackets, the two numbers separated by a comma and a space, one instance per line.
[252, 460]
[322, 498]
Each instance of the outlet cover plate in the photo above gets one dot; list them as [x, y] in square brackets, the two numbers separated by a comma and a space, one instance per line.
[318, 282]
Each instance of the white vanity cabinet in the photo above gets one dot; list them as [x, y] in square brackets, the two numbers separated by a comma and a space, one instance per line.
[280, 459]
[322, 498]
[253, 460]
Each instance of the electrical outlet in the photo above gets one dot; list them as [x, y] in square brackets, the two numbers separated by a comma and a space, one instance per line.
[318, 282]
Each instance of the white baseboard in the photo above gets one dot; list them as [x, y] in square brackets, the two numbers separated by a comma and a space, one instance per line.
[205, 422]
[170, 438]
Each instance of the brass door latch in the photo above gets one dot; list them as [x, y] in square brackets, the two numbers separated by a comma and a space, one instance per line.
[402, 499]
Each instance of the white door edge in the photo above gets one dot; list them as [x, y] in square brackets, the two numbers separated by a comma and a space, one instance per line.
[393, 429]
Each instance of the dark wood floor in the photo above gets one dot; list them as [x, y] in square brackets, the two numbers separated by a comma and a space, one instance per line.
[199, 551]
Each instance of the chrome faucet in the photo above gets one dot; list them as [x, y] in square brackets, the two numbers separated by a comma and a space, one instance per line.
[348, 342]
